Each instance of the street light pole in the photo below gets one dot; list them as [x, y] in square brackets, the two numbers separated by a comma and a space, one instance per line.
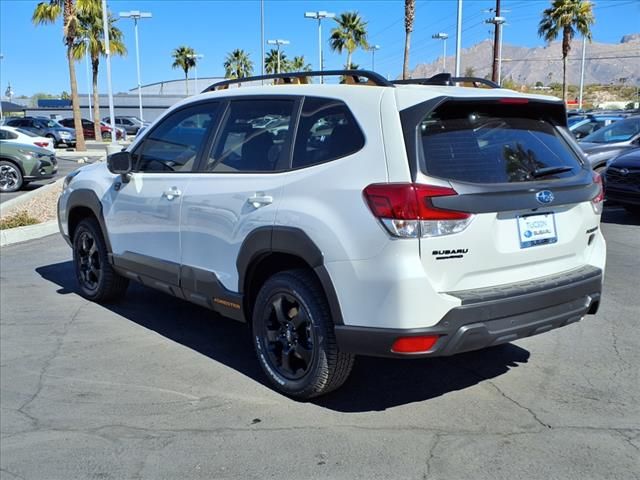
[137, 15]
[107, 51]
[319, 15]
[277, 43]
[458, 38]
[373, 49]
[86, 57]
[584, 48]
[442, 36]
[1, 115]
[196, 57]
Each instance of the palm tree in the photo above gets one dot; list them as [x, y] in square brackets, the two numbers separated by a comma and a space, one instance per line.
[409, 17]
[238, 65]
[49, 12]
[350, 34]
[91, 40]
[299, 64]
[185, 58]
[271, 62]
[566, 16]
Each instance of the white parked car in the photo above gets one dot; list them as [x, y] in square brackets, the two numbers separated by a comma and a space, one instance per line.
[384, 218]
[20, 135]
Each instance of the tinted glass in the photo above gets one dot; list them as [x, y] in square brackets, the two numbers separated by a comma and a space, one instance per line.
[174, 144]
[491, 144]
[255, 137]
[26, 132]
[616, 132]
[327, 131]
[7, 135]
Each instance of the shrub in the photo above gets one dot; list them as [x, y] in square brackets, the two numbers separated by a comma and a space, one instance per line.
[18, 219]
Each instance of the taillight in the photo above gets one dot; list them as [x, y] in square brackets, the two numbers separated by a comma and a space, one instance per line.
[406, 210]
[599, 198]
[513, 100]
[41, 144]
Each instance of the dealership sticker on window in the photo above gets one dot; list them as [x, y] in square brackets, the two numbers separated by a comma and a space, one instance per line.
[537, 230]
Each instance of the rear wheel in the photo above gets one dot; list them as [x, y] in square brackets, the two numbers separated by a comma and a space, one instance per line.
[96, 277]
[54, 142]
[294, 337]
[10, 177]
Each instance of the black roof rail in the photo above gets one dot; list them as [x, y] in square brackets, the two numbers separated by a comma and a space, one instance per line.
[356, 77]
[447, 80]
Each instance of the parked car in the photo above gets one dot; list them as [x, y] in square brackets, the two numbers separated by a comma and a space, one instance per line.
[89, 131]
[20, 135]
[22, 163]
[131, 125]
[592, 123]
[622, 180]
[46, 128]
[611, 141]
[395, 220]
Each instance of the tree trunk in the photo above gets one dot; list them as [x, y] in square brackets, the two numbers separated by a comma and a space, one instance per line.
[96, 100]
[564, 79]
[186, 81]
[407, 45]
[348, 60]
[75, 102]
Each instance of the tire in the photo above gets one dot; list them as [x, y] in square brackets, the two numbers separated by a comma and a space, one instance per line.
[97, 279]
[10, 177]
[53, 139]
[294, 338]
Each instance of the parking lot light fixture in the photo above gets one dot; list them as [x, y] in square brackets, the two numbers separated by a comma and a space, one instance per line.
[373, 49]
[442, 36]
[195, 57]
[319, 15]
[137, 15]
[277, 43]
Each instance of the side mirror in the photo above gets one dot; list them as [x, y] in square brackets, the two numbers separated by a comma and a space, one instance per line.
[120, 164]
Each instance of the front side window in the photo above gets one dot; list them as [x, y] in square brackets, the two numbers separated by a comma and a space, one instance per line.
[327, 131]
[174, 144]
[492, 143]
[254, 138]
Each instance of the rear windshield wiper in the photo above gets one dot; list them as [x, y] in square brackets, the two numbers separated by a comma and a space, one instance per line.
[543, 172]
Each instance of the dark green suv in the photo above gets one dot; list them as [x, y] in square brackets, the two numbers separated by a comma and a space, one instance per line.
[21, 164]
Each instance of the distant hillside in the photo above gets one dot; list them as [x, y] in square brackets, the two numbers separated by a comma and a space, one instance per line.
[605, 62]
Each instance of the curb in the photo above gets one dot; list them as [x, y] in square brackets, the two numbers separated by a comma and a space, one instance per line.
[30, 232]
[15, 203]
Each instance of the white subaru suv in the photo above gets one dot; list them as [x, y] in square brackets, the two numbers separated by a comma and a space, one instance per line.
[398, 219]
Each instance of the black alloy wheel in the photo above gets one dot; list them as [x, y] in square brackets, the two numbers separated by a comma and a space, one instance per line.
[89, 265]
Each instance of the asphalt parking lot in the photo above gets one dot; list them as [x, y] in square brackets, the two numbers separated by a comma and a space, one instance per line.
[153, 387]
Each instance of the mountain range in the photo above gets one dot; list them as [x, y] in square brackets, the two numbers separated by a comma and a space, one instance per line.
[605, 62]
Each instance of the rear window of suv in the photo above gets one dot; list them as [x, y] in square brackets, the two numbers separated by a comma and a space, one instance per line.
[492, 143]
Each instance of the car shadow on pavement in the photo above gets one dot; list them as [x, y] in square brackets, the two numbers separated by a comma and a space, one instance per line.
[375, 383]
[618, 215]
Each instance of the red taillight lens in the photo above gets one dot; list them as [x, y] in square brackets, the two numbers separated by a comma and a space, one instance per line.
[597, 179]
[409, 201]
[414, 344]
[41, 144]
[513, 100]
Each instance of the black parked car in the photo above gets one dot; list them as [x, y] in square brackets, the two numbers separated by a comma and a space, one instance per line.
[622, 180]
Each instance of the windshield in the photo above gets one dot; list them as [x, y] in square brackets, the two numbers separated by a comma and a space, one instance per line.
[621, 131]
[492, 144]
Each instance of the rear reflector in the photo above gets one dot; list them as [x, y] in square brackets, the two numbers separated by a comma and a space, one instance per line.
[414, 344]
[406, 209]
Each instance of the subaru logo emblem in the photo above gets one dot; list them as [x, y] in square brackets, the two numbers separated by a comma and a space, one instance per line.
[624, 171]
[544, 196]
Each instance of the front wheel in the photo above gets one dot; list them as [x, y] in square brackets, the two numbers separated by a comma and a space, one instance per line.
[294, 337]
[96, 277]
[10, 177]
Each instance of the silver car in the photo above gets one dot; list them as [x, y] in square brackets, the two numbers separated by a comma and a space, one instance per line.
[611, 141]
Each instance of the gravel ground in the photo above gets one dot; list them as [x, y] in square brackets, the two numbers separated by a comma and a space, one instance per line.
[43, 206]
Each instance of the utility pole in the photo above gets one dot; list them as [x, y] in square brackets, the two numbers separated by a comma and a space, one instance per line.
[107, 51]
[458, 38]
[497, 33]
[319, 16]
[584, 48]
[262, 39]
[442, 36]
[137, 15]
[373, 49]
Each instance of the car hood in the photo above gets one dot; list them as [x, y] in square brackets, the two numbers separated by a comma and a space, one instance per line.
[627, 160]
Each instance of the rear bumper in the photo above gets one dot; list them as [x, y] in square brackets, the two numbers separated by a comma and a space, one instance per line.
[491, 316]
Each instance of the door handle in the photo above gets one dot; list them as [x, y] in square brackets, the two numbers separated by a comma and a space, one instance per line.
[260, 200]
[172, 193]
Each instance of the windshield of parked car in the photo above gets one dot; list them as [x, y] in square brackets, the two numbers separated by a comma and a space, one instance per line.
[621, 131]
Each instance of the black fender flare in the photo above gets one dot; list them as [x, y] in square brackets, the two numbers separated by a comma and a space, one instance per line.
[293, 241]
[86, 198]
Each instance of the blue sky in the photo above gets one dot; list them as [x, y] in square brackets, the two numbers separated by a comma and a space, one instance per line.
[34, 57]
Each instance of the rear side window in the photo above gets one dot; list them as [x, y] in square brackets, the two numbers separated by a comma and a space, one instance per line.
[492, 143]
[327, 131]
